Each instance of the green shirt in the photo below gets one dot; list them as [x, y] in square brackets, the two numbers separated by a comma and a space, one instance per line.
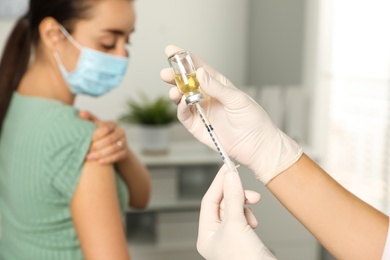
[43, 145]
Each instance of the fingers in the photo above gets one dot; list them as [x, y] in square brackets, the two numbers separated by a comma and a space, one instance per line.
[234, 196]
[109, 144]
[167, 75]
[113, 156]
[251, 197]
[107, 134]
[175, 95]
[250, 218]
[109, 150]
[105, 146]
[212, 199]
[215, 88]
[104, 129]
[209, 218]
[215, 191]
[171, 49]
[184, 114]
[212, 82]
[89, 116]
[108, 140]
[208, 79]
[198, 62]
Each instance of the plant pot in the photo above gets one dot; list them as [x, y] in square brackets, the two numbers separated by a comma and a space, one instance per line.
[154, 139]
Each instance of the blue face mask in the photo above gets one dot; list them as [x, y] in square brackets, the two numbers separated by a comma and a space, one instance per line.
[96, 73]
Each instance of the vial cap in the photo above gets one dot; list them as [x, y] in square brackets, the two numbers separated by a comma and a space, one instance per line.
[194, 98]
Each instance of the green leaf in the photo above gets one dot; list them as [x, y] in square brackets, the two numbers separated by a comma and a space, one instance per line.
[158, 112]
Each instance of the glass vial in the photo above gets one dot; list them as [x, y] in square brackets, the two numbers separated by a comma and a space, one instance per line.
[185, 76]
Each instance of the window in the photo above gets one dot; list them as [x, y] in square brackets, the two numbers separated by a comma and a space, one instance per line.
[357, 79]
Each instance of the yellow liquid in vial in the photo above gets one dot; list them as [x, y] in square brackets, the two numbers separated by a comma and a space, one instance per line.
[187, 88]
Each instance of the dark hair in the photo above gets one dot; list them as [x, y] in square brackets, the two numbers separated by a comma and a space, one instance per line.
[25, 36]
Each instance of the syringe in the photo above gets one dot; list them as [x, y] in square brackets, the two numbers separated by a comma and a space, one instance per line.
[187, 83]
[215, 139]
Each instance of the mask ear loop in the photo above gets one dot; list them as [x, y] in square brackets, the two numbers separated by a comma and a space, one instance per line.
[70, 37]
[72, 40]
[59, 62]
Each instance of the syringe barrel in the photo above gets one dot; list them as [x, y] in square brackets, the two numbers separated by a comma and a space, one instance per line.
[214, 137]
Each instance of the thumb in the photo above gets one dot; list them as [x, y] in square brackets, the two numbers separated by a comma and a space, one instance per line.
[234, 196]
[89, 116]
[213, 87]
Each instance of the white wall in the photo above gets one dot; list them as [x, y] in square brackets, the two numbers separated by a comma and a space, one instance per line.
[215, 30]
[5, 29]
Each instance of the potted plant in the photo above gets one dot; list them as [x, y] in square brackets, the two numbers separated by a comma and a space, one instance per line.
[154, 118]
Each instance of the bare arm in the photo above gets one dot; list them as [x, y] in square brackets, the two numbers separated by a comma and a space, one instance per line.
[106, 151]
[97, 216]
[137, 180]
[348, 227]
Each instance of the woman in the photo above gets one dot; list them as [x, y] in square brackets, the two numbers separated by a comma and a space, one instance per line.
[57, 200]
[348, 227]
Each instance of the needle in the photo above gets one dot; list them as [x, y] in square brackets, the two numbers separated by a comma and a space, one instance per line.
[215, 139]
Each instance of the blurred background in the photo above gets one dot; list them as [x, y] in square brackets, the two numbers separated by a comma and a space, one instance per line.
[320, 68]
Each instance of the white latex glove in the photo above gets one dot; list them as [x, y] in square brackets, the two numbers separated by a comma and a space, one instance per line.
[243, 127]
[225, 227]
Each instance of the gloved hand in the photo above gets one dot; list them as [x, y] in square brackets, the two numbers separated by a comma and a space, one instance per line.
[225, 228]
[243, 127]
